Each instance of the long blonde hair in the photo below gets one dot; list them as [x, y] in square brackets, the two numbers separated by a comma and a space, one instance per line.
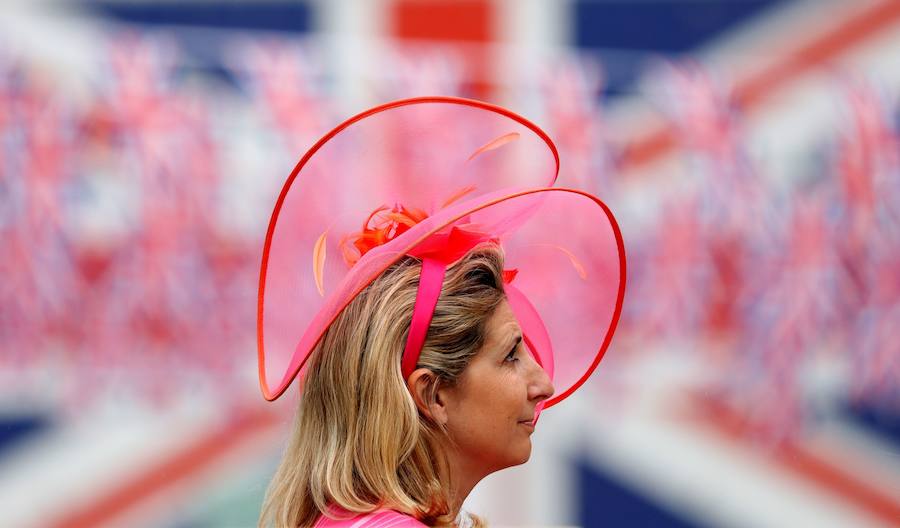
[359, 441]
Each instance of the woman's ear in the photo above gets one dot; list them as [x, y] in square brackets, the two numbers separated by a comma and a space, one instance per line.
[421, 385]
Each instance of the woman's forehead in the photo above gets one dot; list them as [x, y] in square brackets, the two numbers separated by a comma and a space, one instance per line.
[502, 325]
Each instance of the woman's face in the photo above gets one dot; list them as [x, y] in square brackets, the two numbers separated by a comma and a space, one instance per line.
[491, 409]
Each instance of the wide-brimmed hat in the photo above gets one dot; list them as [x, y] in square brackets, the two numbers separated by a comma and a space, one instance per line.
[432, 178]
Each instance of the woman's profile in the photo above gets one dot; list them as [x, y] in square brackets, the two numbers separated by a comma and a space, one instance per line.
[470, 295]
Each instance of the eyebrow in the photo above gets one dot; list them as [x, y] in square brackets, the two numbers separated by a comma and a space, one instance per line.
[515, 341]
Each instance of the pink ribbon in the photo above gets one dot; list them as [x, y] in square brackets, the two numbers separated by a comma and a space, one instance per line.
[430, 282]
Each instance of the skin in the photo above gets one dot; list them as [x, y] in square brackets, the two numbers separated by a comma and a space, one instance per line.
[489, 413]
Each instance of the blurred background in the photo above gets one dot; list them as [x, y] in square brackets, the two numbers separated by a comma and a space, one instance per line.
[750, 149]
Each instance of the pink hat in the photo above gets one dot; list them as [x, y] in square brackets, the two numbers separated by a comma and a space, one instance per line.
[433, 177]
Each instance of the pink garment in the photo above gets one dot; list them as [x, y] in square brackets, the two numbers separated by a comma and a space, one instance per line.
[376, 519]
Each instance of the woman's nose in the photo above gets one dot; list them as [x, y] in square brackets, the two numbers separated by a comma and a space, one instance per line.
[540, 388]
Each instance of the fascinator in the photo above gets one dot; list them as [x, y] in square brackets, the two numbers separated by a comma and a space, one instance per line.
[432, 178]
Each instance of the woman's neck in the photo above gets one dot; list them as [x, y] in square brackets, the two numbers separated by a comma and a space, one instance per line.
[463, 474]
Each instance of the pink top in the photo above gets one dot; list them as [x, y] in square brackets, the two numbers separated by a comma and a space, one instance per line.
[376, 519]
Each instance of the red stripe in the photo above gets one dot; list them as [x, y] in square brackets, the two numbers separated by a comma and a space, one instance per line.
[753, 90]
[168, 472]
[455, 23]
[793, 457]
[443, 20]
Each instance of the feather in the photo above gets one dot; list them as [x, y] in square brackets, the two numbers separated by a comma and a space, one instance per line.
[459, 194]
[401, 218]
[495, 144]
[579, 268]
[319, 263]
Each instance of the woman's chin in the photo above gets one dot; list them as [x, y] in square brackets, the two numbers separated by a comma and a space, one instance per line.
[522, 454]
[513, 457]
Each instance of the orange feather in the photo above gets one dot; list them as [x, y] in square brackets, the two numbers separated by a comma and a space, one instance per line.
[579, 268]
[495, 144]
[319, 263]
[459, 194]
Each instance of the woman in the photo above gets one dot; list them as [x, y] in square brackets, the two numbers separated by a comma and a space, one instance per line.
[424, 362]
[365, 440]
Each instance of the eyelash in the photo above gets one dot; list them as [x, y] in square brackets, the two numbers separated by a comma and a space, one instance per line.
[512, 353]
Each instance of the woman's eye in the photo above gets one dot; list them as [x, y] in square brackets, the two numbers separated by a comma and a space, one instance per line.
[512, 354]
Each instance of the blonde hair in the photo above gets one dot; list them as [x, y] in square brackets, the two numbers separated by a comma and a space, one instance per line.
[359, 441]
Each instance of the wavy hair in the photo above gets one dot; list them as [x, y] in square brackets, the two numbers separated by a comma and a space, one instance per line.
[359, 442]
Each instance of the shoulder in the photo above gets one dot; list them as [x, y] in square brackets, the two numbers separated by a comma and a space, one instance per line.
[376, 519]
